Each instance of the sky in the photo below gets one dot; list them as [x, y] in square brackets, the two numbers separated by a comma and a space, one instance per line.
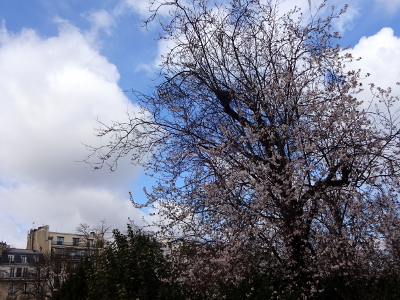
[65, 63]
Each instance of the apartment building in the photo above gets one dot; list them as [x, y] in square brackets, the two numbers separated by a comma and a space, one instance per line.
[64, 250]
[18, 273]
[50, 256]
[53, 242]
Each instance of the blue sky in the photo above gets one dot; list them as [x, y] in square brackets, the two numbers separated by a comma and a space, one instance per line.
[64, 63]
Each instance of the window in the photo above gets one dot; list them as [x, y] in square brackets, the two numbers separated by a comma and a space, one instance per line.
[58, 252]
[11, 289]
[78, 253]
[36, 259]
[60, 240]
[75, 241]
[19, 272]
[24, 288]
[25, 272]
[74, 254]
[11, 258]
[12, 272]
[23, 259]
[90, 243]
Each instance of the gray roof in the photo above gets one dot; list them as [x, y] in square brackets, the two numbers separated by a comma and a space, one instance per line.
[18, 253]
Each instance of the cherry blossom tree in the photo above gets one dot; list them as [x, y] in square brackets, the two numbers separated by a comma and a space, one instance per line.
[265, 152]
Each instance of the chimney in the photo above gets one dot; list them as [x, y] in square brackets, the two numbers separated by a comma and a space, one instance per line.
[3, 247]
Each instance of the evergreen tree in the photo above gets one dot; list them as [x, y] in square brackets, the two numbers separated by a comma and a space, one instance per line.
[131, 267]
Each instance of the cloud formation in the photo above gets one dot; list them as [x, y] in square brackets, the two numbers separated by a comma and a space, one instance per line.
[51, 91]
[100, 20]
[391, 6]
[380, 56]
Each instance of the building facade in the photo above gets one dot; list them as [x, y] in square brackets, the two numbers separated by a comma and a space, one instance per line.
[19, 278]
[39, 270]
[63, 251]
[52, 242]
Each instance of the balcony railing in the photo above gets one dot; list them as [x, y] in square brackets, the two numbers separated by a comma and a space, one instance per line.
[64, 243]
[81, 244]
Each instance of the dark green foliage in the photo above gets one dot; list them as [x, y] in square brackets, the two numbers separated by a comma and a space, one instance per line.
[267, 285]
[384, 287]
[75, 287]
[254, 288]
[131, 267]
[261, 286]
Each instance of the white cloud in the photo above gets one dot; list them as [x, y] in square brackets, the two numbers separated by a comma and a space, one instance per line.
[142, 8]
[390, 6]
[63, 210]
[101, 20]
[164, 48]
[51, 91]
[380, 56]
[309, 8]
[285, 6]
[346, 20]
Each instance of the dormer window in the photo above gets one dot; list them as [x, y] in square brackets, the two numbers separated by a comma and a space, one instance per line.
[23, 259]
[10, 258]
